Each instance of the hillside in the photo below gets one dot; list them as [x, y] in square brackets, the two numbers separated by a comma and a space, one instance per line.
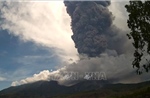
[85, 89]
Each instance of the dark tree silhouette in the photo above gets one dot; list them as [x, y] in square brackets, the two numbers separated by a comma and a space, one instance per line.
[139, 24]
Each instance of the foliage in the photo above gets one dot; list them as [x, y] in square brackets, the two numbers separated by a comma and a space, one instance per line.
[139, 24]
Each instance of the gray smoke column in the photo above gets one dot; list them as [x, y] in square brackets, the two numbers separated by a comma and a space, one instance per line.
[91, 23]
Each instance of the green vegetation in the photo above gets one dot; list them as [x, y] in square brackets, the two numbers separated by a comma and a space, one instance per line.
[81, 90]
[135, 93]
[139, 24]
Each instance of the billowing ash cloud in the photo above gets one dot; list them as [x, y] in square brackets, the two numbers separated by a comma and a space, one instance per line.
[116, 69]
[93, 34]
[92, 27]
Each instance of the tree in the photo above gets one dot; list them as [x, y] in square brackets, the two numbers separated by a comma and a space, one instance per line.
[139, 24]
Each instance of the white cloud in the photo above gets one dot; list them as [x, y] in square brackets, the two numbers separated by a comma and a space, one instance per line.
[45, 23]
[2, 78]
[117, 69]
[119, 12]
[44, 75]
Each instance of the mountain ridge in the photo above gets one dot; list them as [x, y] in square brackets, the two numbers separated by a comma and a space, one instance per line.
[51, 89]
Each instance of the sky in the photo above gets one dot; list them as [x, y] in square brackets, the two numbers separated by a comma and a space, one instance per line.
[20, 59]
[30, 43]
[35, 39]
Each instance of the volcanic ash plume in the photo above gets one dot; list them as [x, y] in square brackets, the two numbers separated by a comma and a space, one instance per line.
[92, 28]
[93, 34]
